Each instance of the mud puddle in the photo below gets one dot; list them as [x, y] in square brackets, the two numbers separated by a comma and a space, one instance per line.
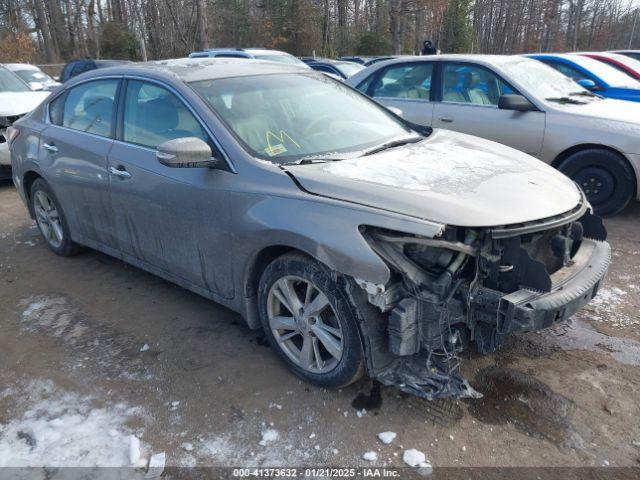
[579, 335]
[513, 397]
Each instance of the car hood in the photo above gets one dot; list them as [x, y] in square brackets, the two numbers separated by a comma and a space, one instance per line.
[609, 109]
[449, 178]
[19, 103]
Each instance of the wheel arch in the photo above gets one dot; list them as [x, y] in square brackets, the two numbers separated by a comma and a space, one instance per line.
[28, 178]
[589, 146]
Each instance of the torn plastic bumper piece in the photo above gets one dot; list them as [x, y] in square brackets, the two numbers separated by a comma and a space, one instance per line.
[418, 375]
[572, 287]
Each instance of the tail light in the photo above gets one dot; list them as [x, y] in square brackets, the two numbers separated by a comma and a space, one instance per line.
[12, 134]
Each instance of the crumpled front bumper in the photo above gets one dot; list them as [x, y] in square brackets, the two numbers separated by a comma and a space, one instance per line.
[572, 287]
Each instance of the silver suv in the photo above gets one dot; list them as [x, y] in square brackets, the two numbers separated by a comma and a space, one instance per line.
[360, 243]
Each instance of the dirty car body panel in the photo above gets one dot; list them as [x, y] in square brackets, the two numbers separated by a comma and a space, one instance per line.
[443, 241]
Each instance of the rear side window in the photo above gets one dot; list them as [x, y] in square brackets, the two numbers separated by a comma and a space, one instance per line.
[153, 115]
[56, 110]
[405, 81]
[88, 107]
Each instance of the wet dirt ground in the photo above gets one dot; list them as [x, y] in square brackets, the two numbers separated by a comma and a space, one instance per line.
[207, 388]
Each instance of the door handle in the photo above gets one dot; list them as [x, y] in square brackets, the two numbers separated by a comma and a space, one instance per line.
[119, 172]
[446, 120]
[50, 147]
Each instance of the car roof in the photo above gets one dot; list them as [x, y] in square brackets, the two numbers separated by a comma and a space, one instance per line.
[196, 69]
[454, 57]
[240, 51]
[20, 66]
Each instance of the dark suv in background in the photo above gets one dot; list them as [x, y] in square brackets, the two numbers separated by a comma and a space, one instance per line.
[76, 67]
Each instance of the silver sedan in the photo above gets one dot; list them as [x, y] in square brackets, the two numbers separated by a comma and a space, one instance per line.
[359, 242]
[524, 104]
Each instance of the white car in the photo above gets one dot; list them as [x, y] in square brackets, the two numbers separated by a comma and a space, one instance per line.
[33, 76]
[16, 99]
[524, 104]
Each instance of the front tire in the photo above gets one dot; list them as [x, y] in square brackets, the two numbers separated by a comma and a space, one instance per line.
[310, 322]
[606, 178]
[51, 220]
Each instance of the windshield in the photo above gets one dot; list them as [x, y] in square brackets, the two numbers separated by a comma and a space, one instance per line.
[9, 82]
[544, 81]
[348, 69]
[605, 72]
[33, 76]
[280, 58]
[290, 117]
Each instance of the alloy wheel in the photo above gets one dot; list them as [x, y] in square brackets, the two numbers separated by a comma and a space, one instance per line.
[48, 219]
[304, 324]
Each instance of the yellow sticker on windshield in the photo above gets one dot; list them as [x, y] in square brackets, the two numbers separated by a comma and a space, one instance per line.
[278, 148]
[274, 150]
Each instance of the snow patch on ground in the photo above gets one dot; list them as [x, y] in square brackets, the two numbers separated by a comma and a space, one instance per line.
[387, 437]
[413, 457]
[606, 308]
[65, 429]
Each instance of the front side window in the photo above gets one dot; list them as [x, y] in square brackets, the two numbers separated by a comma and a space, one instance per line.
[287, 117]
[89, 107]
[472, 84]
[154, 115]
[411, 80]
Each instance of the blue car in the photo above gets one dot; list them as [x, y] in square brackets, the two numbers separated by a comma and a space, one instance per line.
[593, 75]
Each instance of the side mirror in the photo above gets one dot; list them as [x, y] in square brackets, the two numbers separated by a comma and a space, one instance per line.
[517, 103]
[588, 84]
[186, 152]
[37, 86]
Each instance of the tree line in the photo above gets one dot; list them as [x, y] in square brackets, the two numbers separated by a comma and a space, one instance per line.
[49, 31]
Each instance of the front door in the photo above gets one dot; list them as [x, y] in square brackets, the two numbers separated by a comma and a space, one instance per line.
[74, 150]
[173, 219]
[406, 87]
[469, 104]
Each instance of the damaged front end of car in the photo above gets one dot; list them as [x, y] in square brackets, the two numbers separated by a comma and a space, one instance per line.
[470, 287]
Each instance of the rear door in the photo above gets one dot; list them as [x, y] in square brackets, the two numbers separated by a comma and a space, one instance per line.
[74, 148]
[406, 87]
[469, 104]
[173, 219]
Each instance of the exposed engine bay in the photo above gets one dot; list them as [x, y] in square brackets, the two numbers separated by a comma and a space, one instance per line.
[469, 288]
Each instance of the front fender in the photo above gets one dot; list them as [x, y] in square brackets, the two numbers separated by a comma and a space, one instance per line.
[325, 229]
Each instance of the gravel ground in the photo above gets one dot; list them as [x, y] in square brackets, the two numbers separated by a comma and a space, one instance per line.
[102, 363]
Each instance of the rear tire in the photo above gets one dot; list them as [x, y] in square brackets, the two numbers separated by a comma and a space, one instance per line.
[606, 178]
[320, 341]
[51, 220]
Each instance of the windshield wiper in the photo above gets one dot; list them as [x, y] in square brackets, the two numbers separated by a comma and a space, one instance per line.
[583, 94]
[565, 100]
[312, 159]
[392, 144]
